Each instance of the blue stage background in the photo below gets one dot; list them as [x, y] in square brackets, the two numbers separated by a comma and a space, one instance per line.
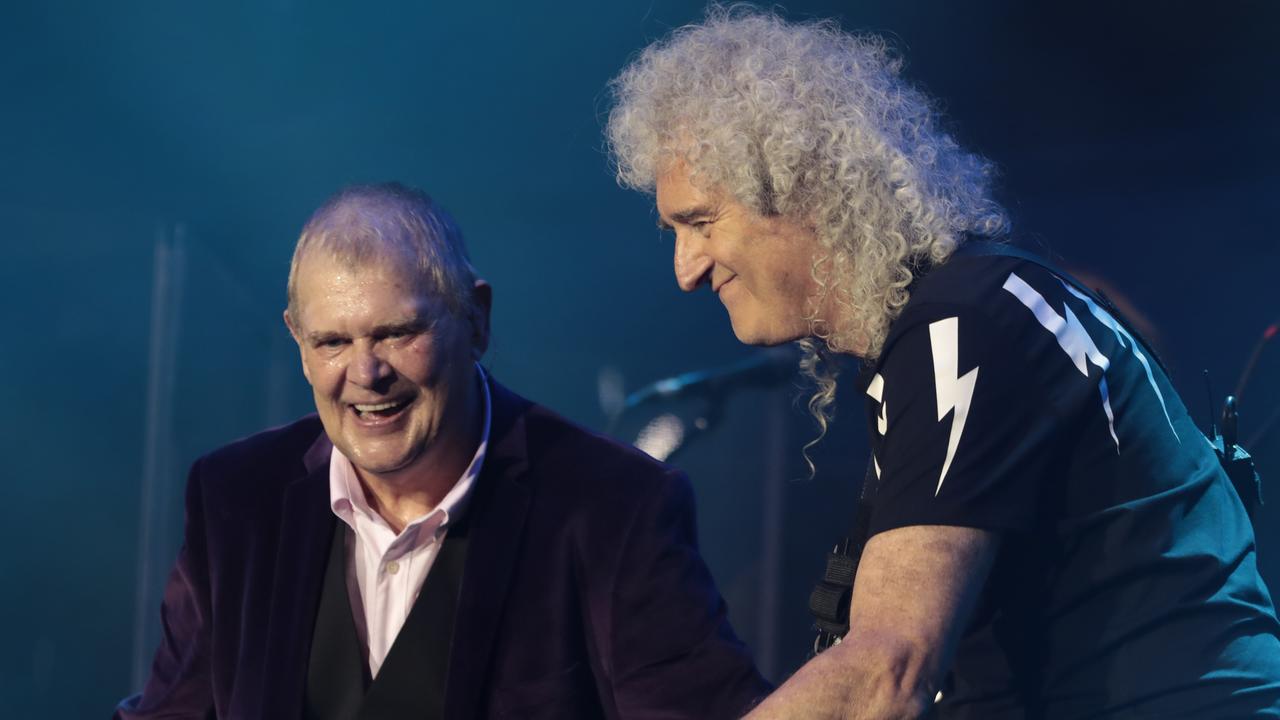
[157, 160]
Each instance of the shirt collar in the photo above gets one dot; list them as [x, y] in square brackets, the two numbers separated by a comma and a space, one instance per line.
[347, 497]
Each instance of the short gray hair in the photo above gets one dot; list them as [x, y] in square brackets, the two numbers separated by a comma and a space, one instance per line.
[364, 225]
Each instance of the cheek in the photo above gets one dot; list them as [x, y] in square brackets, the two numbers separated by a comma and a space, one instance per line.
[795, 262]
[324, 374]
[799, 283]
[418, 363]
[781, 276]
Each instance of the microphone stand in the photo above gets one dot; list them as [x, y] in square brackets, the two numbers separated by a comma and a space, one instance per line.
[668, 433]
[686, 434]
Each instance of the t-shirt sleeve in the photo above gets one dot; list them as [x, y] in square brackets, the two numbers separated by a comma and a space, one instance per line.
[962, 433]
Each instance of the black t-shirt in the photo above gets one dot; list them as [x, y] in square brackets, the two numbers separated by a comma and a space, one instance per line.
[1126, 582]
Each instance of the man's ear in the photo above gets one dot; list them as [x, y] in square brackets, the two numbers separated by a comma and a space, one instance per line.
[296, 333]
[481, 304]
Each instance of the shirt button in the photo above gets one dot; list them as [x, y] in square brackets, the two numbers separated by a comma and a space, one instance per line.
[393, 567]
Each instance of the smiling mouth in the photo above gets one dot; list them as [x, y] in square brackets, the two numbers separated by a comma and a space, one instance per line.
[722, 285]
[379, 411]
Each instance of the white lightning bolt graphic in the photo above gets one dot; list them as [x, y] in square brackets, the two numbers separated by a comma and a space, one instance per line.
[876, 391]
[1121, 335]
[954, 392]
[1072, 338]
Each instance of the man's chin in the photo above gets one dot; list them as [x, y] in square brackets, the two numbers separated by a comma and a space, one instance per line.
[761, 337]
[379, 461]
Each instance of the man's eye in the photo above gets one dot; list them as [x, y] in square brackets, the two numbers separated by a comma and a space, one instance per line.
[702, 227]
[399, 334]
[332, 343]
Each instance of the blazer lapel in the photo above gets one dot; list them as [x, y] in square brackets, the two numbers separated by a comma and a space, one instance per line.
[496, 520]
[306, 532]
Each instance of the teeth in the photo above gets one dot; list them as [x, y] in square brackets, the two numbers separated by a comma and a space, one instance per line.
[375, 408]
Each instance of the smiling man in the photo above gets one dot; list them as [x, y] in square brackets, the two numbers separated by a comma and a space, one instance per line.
[431, 545]
[764, 284]
[1044, 531]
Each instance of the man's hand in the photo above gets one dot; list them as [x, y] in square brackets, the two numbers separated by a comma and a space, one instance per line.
[915, 589]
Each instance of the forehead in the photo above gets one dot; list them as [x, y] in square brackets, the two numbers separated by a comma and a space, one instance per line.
[333, 291]
[676, 190]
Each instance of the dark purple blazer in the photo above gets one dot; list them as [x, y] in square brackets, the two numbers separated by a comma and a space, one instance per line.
[583, 594]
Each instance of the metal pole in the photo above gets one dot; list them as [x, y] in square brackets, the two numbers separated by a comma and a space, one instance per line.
[156, 496]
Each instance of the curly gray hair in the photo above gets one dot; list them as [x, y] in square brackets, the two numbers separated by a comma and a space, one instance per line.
[808, 121]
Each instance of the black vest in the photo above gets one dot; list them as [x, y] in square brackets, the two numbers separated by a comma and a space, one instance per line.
[411, 682]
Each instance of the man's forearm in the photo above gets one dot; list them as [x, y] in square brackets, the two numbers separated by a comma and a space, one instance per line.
[818, 690]
[915, 589]
[846, 683]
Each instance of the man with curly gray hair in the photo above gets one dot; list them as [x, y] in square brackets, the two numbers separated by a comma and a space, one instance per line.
[1035, 545]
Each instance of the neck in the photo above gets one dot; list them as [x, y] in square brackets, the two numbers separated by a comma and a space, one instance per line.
[404, 495]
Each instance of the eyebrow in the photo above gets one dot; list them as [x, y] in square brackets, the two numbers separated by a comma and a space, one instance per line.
[411, 325]
[686, 216]
[319, 338]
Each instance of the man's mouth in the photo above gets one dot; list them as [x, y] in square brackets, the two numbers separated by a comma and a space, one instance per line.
[382, 410]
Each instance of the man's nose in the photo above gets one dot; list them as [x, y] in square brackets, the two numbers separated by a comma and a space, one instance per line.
[368, 368]
[691, 262]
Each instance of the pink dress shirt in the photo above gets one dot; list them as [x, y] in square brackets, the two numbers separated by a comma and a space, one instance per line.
[385, 571]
